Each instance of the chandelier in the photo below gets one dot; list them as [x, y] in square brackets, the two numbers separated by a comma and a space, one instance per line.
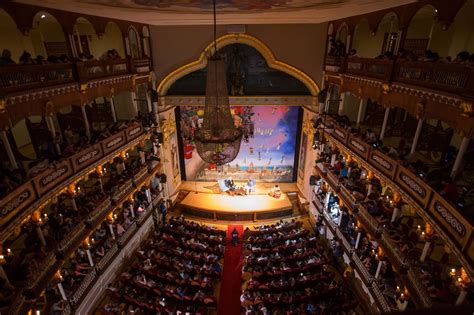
[217, 140]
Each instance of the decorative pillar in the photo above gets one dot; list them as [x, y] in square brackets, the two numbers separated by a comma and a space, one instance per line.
[384, 124]
[341, 103]
[134, 103]
[52, 129]
[79, 44]
[39, 231]
[148, 195]
[148, 102]
[390, 35]
[359, 234]
[425, 251]
[362, 105]
[379, 269]
[111, 230]
[86, 122]
[89, 257]
[461, 297]
[8, 148]
[395, 214]
[72, 45]
[416, 138]
[112, 108]
[132, 212]
[61, 290]
[459, 157]
[430, 36]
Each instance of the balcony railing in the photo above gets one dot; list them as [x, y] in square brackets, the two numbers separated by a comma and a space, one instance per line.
[374, 68]
[447, 77]
[17, 78]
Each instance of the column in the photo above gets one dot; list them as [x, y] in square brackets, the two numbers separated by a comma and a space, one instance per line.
[41, 235]
[389, 35]
[359, 234]
[425, 251]
[72, 45]
[86, 122]
[384, 124]
[79, 44]
[379, 268]
[134, 103]
[395, 214]
[348, 43]
[61, 290]
[148, 102]
[341, 103]
[9, 150]
[416, 138]
[461, 297]
[112, 108]
[111, 230]
[431, 33]
[362, 105]
[89, 257]
[459, 157]
[52, 129]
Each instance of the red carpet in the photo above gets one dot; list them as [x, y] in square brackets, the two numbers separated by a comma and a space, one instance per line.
[231, 279]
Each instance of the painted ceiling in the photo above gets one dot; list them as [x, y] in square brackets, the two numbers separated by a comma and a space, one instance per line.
[199, 12]
[222, 5]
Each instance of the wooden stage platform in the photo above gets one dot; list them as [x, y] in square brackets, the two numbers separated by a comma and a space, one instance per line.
[204, 201]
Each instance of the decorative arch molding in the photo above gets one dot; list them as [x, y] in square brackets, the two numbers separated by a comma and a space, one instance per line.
[246, 39]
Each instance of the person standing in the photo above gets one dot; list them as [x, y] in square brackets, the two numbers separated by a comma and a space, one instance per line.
[235, 237]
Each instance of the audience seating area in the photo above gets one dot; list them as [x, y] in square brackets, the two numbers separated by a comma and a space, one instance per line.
[175, 270]
[289, 272]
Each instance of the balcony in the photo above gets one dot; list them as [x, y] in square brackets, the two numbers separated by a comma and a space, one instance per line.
[19, 78]
[456, 230]
[19, 202]
[447, 77]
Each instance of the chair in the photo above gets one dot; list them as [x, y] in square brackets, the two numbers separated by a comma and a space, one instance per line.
[222, 186]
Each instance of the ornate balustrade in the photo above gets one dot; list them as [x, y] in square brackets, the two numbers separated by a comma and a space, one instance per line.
[96, 69]
[448, 77]
[457, 230]
[17, 78]
[123, 190]
[21, 201]
[335, 64]
[140, 65]
[367, 67]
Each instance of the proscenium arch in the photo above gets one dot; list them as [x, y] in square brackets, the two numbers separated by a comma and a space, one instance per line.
[229, 39]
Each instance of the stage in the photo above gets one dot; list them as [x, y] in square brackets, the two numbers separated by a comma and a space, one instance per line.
[204, 201]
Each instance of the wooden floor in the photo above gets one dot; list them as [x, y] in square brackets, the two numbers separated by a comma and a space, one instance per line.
[212, 187]
[232, 204]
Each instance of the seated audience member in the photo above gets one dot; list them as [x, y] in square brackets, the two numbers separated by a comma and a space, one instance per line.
[370, 137]
[449, 189]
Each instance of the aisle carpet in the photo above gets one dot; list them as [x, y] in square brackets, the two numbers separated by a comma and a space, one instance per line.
[231, 279]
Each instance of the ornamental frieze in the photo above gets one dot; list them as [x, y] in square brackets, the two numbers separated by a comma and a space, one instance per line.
[16, 202]
[340, 134]
[382, 162]
[114, 142]
[88, 156]
[54, 175]
[358, 146]
[450, 219]
[412, 184]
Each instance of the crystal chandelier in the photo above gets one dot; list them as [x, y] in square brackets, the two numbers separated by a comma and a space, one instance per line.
[218, 140]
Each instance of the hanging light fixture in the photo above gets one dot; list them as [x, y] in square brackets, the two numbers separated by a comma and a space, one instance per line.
[218, 140]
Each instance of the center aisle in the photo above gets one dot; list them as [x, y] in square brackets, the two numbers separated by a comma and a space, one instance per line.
[231, 280]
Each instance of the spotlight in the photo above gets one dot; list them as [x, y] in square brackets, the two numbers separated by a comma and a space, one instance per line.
[43, 16]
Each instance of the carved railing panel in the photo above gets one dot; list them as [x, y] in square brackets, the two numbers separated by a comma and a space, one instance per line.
[414, 186]
[52, 177]
[95, 69]
[114, 142]
[383, 163]
[16, 201]
[374, 68]
[17, 78]
[358, 145]
[86, 157]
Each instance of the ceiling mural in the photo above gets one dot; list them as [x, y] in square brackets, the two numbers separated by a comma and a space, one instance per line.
[222, 5]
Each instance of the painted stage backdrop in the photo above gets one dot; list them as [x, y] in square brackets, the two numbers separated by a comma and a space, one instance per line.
[268, 155]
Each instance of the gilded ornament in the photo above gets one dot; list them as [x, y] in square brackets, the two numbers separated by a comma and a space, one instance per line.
[386, 88]
[3, 106]
[466, 109]
[83, 87]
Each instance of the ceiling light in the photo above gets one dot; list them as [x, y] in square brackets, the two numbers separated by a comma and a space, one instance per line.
[43, 16]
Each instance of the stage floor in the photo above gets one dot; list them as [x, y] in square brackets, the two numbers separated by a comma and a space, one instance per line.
[213, 188]
[235, 204]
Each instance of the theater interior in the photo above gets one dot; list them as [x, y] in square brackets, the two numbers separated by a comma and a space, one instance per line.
[274, 157]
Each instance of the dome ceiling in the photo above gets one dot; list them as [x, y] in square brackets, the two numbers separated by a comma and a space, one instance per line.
[199, 12]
